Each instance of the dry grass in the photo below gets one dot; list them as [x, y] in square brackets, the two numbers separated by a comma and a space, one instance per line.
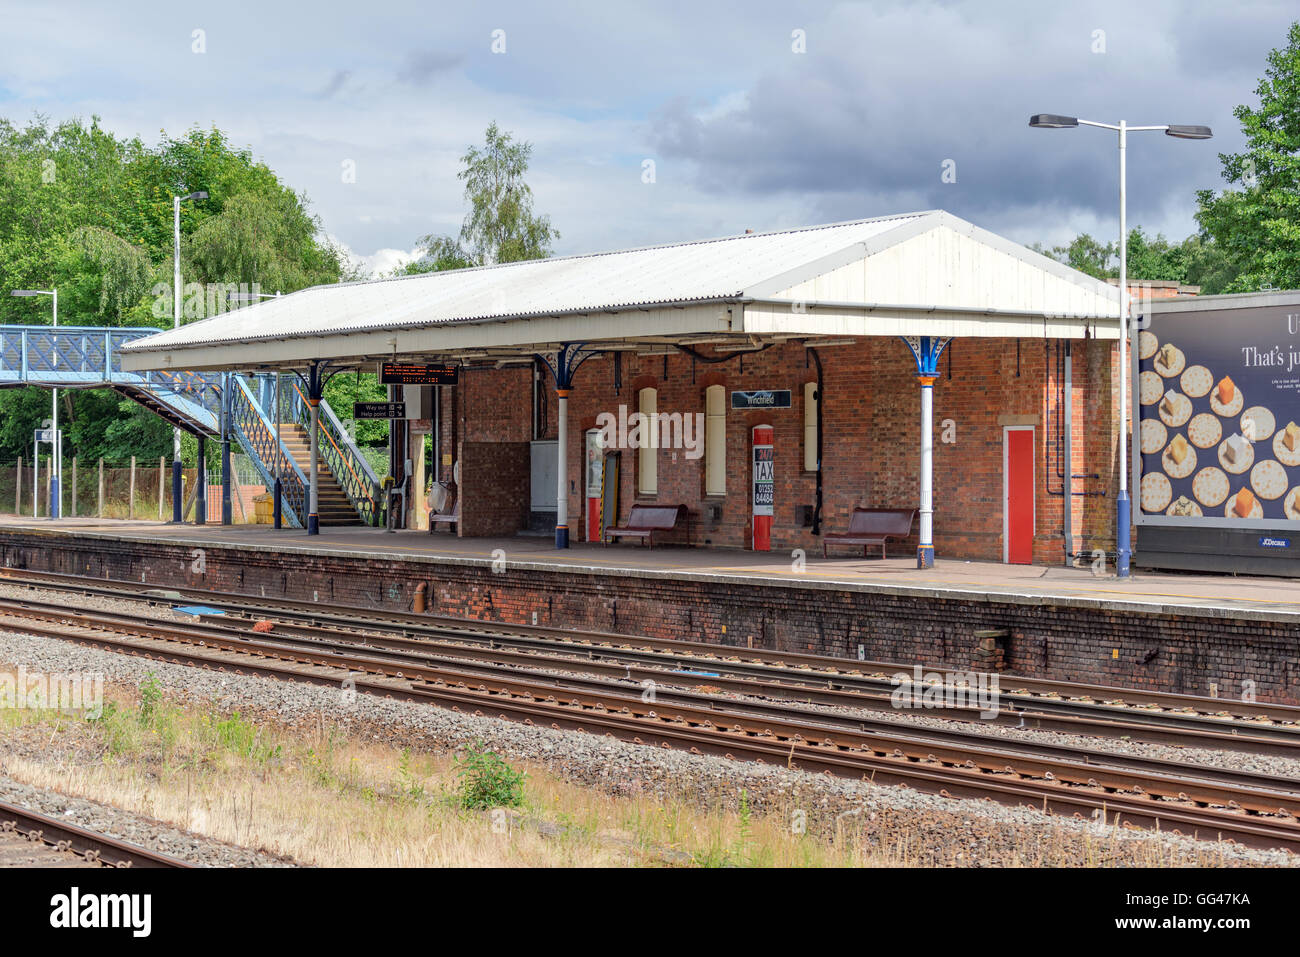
[326, 799]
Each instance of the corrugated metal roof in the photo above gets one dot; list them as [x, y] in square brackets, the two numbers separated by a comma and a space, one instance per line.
[683, 272]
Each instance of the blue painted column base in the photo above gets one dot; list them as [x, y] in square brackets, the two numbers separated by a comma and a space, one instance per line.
[561, 536]
[1122, 511]
[56, 498]
[313, 524]
[925, 556]
[177, 495]
[278, 504]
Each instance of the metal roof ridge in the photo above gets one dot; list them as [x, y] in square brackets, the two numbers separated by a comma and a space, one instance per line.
[632, 249]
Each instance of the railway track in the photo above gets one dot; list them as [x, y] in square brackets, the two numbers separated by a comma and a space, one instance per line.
[1109, 789]
[1040, 704]
[31, 839]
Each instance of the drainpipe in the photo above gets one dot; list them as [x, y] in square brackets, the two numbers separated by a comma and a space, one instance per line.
[1069, 454]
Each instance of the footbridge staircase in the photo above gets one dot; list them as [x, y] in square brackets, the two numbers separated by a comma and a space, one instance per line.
[244, 408]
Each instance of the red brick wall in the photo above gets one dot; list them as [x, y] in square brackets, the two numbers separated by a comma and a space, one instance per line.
[493, 488]
[871, 416]
[1167, 649]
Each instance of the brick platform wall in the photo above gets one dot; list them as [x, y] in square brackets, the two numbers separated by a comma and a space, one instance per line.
[871, 423]
[1165, 649]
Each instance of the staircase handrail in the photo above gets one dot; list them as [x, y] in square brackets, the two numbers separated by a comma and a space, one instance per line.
[350, 468]
[255, 432]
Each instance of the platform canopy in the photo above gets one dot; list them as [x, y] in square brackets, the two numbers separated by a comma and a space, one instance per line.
[914, 274]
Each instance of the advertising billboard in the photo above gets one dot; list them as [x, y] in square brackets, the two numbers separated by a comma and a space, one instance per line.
[1217, 418]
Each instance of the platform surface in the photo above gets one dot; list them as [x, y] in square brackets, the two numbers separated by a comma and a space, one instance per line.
[1225, 596]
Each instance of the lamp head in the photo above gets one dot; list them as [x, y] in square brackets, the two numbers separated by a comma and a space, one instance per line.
[1188, 132]
[1050, 121]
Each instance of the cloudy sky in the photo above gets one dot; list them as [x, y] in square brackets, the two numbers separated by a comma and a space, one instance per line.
[755, 115]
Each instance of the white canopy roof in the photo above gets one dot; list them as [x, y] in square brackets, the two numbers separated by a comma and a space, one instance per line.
[926, 273]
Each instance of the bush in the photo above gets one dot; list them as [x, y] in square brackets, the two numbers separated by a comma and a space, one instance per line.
[486, 781]
[151, 692]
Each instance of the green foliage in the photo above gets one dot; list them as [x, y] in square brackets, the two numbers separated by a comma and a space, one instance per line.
[486, 781]
[1258, 226]
[91, 214]
[347, 388]
[1086, 255]
[1197, 260]
[150, 697]
[437, 253]
[244, 739]
[500, 226]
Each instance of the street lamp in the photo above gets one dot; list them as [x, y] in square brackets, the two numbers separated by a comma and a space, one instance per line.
[1051, 121]
[56, 447]
[176, 323]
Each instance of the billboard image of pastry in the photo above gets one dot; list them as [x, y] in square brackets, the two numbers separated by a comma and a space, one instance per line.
[1218, 417]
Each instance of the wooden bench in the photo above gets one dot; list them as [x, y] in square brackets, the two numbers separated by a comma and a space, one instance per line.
[645, 520]
[873, 526]
[449, 514]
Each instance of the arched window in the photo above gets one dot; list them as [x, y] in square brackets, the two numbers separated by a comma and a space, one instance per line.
[715, 440]
[810, 400]
[647, 457]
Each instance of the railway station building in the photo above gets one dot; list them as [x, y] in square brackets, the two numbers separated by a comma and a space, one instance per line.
[766, 385]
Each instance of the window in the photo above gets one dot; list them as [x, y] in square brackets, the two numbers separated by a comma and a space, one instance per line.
[810, 400]
[647, 459]
[715, 440]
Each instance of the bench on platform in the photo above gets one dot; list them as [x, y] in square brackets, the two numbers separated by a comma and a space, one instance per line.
[645, 520]
[873, 526]
[449, 513]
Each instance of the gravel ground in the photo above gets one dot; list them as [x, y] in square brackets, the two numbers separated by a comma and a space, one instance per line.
[932, 829]
[127, 826]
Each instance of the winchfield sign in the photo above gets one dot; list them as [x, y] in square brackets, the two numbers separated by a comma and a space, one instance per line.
[769, 399]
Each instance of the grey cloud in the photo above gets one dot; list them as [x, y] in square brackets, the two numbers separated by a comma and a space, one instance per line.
[421, 66]
[864, 127]
[336, 83]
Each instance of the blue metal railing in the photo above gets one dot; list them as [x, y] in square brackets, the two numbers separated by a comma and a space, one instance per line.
[339, 452]
[254, 430]
[86, 357]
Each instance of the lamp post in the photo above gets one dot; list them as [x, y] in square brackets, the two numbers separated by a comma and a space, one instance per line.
[176, 322]
[56, 446]
[1051, 121]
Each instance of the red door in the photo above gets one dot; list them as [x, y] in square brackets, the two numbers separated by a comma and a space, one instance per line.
[1018, 514]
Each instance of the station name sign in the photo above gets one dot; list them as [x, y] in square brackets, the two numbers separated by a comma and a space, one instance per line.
[411, 373]
[768, 399]
[379, 410]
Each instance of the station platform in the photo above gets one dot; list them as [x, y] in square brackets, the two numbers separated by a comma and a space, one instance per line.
[1274, 598]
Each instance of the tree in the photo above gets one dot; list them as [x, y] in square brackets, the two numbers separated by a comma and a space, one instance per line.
[500, 226]
[1084, 254]
[437, 253]
[91, 214]
[1258, 226]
